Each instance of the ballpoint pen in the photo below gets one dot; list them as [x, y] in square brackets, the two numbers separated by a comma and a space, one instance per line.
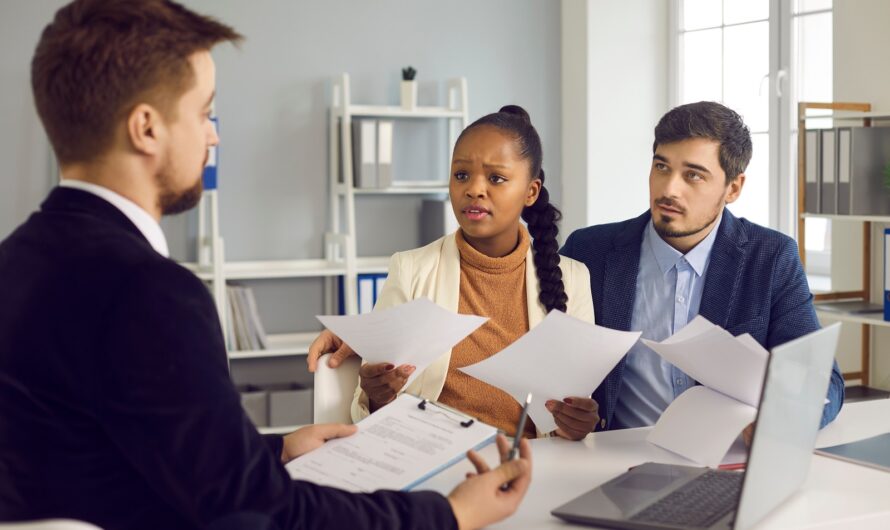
[514, 451]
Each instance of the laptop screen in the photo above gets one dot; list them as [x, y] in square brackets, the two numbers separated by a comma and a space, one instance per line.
[794, 391]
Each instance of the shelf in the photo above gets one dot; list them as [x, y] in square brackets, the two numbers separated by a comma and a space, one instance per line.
[373, 265]
[852, 115]
[255, 270]
[416, 190]
[381, 111]
[280, 345]
[835, 217]
[287, 429]
[873, 319]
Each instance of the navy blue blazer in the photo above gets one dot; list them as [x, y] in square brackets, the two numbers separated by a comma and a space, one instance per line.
[755, 284]
[116, 405]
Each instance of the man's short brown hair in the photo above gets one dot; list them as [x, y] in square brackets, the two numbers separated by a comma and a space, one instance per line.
[98, 59]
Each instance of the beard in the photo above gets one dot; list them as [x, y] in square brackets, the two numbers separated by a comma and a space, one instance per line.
[172, 202]
[663, 228]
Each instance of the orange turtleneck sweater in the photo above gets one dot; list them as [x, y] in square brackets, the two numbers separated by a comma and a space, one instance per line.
[494, 288]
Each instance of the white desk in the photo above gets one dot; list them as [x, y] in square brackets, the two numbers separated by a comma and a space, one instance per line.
[835, 495]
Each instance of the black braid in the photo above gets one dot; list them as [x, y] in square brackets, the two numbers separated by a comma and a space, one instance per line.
[542, 216]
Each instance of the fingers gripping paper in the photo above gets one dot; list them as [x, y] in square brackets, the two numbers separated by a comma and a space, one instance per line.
[416, 333]
[560, 357]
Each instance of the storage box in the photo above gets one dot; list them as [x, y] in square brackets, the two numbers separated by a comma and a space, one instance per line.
[255, 402]
[289, 404]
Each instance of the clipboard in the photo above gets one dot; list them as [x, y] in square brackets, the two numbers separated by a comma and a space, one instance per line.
[397, 447]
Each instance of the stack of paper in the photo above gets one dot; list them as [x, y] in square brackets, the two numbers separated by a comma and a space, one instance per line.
[703, 422]
[560, 357]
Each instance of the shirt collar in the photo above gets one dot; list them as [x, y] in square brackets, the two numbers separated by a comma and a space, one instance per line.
[144, 222]
[668, 257]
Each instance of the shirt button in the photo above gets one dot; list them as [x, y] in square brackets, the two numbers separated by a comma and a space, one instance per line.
[679, 381]
[681, 299]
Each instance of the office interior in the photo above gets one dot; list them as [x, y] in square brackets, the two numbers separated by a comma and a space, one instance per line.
[594, 75]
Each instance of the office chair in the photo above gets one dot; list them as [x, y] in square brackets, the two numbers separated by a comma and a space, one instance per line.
[334, 389]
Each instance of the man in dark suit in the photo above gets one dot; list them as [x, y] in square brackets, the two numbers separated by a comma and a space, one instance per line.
[116, 405]
[687, 256]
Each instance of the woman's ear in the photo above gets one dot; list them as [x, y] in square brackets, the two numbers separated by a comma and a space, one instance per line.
[145, 129]
[534, 189]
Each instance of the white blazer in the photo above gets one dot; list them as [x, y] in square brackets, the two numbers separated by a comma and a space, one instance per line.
[433, 272]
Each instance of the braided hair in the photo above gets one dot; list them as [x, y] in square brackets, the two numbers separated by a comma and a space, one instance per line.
[542, 216]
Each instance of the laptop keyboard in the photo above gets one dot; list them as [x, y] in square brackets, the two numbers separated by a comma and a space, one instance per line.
[699, 503]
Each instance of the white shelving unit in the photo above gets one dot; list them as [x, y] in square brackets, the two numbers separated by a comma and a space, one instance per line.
[340, 257]
[343, 193]
[860, 112]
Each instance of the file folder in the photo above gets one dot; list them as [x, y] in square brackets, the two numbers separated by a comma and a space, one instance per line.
[384, 153]
[887, 274]
[812, 177]
[364, 148]
[844, 141]
[828, 193]
[862, 154]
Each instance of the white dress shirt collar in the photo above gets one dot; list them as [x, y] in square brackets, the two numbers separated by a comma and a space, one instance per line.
[139, 217]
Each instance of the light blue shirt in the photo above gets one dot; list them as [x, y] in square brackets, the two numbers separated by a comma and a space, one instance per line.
[668, 296]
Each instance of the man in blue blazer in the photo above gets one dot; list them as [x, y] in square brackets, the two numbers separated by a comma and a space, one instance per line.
[688, 255]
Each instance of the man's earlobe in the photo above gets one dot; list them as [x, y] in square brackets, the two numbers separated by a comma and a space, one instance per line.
[143, 129]
[734, 190]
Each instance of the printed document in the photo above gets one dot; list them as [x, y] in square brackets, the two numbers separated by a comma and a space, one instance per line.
[416, 333]
[396, 448]
[560, 357]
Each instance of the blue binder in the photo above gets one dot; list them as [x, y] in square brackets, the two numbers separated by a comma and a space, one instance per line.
[887, 274]
[209, 176]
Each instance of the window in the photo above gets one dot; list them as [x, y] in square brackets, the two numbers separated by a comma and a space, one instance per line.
[724, 50]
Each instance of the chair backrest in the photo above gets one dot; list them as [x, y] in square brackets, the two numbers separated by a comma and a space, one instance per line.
[334, 389]
[49, 524]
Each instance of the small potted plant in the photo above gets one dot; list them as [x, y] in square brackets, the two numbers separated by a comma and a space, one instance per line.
[409, 88]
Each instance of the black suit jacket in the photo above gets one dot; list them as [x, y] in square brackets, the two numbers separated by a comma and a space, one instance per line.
[116, 405]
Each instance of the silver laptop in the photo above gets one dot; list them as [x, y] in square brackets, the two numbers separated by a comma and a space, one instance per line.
[659, 496]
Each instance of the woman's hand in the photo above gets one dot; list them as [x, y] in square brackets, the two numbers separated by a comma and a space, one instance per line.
[383, 381]
[327, 342]
[576, 417]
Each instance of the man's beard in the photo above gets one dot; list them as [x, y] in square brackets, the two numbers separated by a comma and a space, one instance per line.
[171, 202]
[664, 230]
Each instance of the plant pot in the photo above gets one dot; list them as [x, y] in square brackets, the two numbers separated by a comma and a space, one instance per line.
[409, 95]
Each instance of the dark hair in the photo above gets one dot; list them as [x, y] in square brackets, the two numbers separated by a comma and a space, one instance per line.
[98, 59]
[542, 216]
[713, 121]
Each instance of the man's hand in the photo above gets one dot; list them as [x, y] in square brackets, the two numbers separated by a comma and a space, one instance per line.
[479, 500]
[748, 434]
[383, 381]
[327, 342]
[305, 439]
[576, 417]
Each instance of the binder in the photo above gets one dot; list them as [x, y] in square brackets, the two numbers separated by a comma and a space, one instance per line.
[398, 447]
[812, 177]
[436, 220]
[366, 296]
[862, 154]
[844, 141]
[384, 153]
[828, 188]
[887, 274]
[364, 150]
[209, 176]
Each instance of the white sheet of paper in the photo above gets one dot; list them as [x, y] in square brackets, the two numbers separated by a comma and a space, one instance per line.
[395, 448]
[731, 365]
[416, 333]
[560, 357]
[702, 425]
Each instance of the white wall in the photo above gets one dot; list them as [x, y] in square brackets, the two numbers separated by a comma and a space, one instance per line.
[619, 52]
[861, 73]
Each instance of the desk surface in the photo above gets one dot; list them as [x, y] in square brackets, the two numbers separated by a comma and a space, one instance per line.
[835, 495]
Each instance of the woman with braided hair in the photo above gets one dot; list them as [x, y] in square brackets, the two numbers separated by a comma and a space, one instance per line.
[492, 266]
